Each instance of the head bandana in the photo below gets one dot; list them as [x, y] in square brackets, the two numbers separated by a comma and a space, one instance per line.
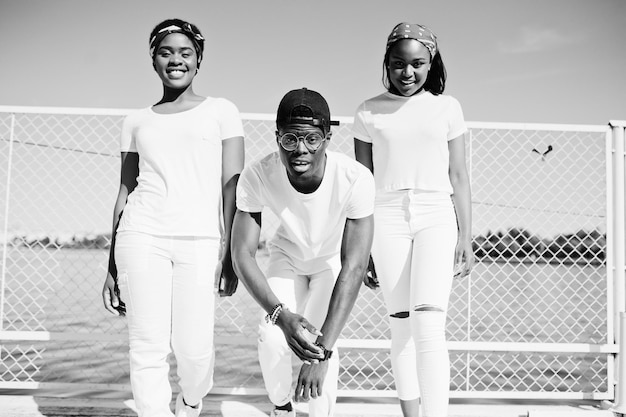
[414, 31]
[196, 38]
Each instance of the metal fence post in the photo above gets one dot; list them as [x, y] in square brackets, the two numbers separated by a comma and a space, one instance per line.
[619, 259]
[5, 226]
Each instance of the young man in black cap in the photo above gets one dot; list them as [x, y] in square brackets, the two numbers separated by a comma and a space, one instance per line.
[318, 256]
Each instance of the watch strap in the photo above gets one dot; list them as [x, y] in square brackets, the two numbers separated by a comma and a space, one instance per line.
[327, 353]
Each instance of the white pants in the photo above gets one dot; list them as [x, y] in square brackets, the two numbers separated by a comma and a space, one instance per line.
[414, 241]
[309, 296]
[167, 285]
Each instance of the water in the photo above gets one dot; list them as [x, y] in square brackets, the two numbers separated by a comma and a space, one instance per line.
[59, 291]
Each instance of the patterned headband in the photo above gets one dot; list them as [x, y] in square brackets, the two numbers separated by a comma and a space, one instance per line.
[186, 30]
[414, 31]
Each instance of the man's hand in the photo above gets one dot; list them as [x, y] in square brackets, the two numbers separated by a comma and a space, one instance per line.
[310, 381]
[295, 328]
[226, 278]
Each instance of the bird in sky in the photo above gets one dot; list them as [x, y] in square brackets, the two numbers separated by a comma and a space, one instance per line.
[543, 154]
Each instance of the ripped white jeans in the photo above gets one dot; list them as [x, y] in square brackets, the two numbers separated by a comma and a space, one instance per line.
[414, 241]
[167, 285]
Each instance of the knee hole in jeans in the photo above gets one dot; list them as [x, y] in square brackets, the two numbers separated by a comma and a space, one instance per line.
[427, 307]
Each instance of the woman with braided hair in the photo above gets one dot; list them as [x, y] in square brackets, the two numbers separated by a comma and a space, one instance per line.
[181, 159]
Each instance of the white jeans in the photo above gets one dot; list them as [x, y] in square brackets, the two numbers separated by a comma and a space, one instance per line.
[309, 296]
[414, 241]
[167, 285]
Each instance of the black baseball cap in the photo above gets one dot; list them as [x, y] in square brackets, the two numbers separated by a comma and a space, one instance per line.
[319, 113]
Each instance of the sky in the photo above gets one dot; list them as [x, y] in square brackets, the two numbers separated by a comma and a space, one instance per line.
[533, 61]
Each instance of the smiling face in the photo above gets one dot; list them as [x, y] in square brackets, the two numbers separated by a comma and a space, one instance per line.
[305, 169]
[408, 65]
[176, 61]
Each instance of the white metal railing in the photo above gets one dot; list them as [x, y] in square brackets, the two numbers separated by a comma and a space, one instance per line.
[618, 254]
[531, 322]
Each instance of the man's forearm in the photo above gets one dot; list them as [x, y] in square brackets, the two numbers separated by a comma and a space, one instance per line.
[355, 251]
[341, 303]
[250, 274]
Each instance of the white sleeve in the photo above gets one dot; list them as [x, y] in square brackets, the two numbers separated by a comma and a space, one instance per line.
[361, 202]
[230, 120]
[248, 194]
[127, 139]
[456, 123]
[359, 127]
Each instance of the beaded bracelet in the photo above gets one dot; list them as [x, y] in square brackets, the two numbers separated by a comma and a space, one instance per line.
[272, 316]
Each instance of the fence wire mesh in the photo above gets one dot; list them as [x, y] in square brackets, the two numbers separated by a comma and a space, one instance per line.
[540, 219]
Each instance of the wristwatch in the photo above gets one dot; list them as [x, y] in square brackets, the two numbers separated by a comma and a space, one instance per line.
[327, 353]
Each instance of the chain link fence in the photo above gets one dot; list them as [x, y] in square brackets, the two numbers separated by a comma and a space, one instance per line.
[532, 321]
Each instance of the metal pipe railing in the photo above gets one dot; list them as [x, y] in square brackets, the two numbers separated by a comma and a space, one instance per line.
[618, 241]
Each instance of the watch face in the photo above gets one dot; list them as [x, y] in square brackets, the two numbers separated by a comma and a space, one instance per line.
[327, 353]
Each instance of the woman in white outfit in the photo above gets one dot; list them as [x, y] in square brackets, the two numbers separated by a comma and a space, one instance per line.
[412, 138]
[181, 159]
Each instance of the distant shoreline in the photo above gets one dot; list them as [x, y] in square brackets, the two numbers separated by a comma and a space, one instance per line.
[512, 246]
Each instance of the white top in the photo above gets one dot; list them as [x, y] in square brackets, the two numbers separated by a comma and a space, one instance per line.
[409, 137]
[179, 185]
[308, 238]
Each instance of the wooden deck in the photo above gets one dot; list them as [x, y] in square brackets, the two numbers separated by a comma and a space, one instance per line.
[237, 406]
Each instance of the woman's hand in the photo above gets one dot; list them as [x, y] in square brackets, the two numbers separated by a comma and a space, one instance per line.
[370, 279]
[463, 258]
[111, 297]
[227, 280]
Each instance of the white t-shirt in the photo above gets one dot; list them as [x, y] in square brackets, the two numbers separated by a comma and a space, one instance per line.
[409, 137]
[308, 238]
[179, 185]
